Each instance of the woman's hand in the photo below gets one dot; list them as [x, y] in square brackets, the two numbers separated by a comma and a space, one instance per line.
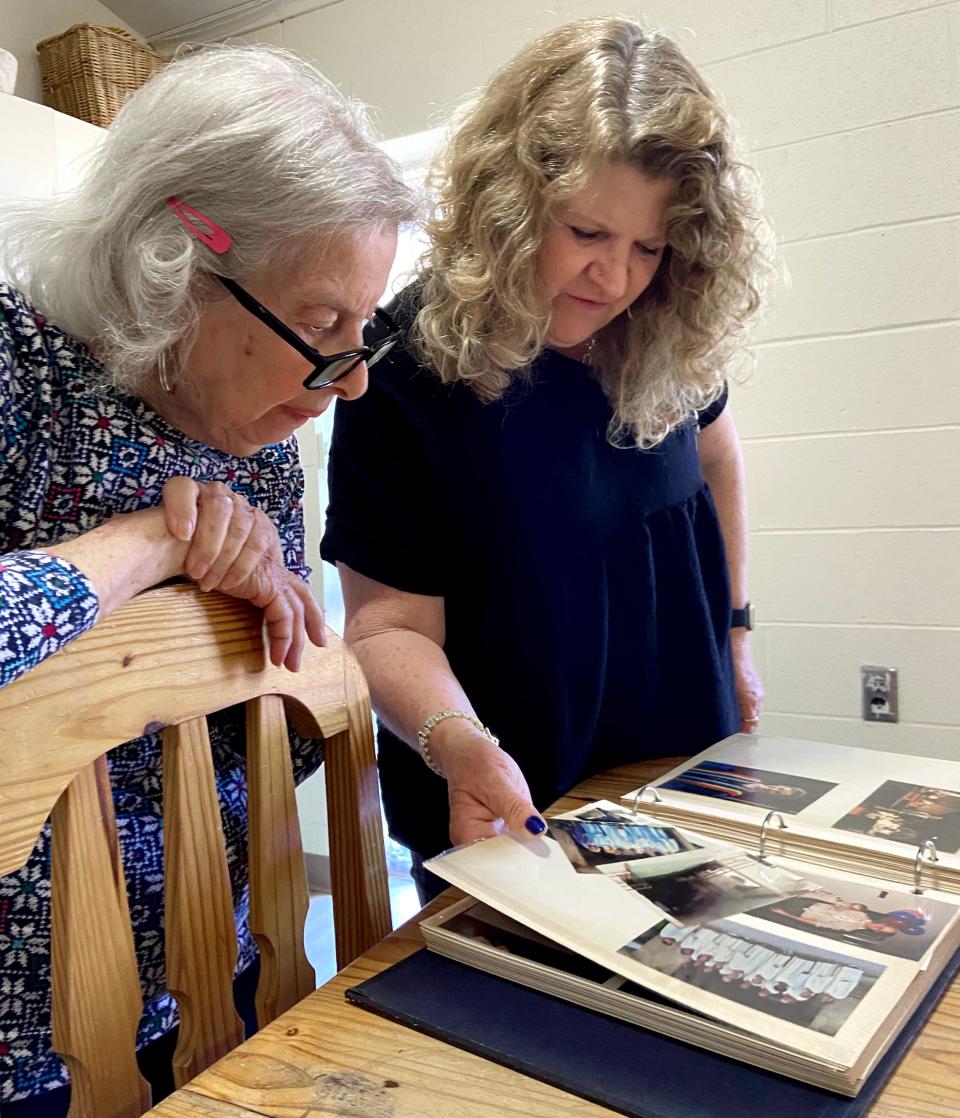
[235, 548]
[486, 789]
[228, 537]
[289, 609]
[749, 688]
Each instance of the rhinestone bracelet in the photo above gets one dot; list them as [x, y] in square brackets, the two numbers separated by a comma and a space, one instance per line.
[423, 734]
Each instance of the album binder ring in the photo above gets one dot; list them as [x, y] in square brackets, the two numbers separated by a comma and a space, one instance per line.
[767, 820]
[926, 852]
[654, 797]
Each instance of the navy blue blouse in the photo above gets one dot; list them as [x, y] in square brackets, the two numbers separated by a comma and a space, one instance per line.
[585, 587]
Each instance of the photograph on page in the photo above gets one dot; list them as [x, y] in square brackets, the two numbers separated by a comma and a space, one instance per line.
[908, 813]
[599, 841]
[813, 988]
[747, 785]
[890, 921]
[488, 931]
[715, 882]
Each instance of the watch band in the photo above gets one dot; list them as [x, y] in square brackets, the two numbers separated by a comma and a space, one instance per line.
[742, 618]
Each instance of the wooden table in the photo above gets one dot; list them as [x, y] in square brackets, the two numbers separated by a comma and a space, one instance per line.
[328, 1059]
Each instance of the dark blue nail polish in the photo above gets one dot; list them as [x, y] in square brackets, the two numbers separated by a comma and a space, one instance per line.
[535, 825]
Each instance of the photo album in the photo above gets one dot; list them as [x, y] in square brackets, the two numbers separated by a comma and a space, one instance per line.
[890, 814]
[787, 904]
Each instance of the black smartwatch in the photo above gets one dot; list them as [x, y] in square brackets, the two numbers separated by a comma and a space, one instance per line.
[742, 618]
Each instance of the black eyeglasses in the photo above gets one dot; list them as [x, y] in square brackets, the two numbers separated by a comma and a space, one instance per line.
[326, 370]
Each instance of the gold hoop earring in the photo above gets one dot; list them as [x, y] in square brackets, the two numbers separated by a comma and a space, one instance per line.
[167, 383]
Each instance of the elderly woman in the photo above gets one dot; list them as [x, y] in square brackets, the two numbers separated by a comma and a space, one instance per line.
[528, 545]
[167, 330]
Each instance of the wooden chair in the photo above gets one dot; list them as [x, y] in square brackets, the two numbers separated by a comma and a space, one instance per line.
[166, 660]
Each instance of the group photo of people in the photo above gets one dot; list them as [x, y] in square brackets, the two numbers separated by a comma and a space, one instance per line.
[597, 838]
[795, 983]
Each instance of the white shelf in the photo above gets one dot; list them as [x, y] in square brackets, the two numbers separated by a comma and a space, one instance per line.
[41, 150]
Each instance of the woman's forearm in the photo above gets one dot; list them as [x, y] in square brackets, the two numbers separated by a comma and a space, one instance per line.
[721, 461]
[50, 595]
[124, 555]
[398, 639]
[410, 679]
[725, 476]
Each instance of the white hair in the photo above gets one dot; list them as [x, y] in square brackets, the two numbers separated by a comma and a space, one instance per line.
[256, 139]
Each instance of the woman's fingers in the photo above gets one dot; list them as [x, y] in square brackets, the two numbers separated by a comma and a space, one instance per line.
[289, 609]
[473, 817]
[259, 540]
[310, 610]
[234, 544]
[749, 687]
[297, 636]
[180, 498]
[215, 511]
[265, 589]
[307, 620]
[231, 539]
[314, 620]
[279, 621]
[284, 621]
[235, 548]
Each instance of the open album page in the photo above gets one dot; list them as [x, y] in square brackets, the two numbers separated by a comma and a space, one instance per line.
[808, 963]
[884, 803]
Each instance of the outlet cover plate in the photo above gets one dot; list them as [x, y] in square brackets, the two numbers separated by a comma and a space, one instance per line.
[878, 691]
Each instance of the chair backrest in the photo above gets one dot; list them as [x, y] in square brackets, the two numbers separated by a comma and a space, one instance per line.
[164, 661]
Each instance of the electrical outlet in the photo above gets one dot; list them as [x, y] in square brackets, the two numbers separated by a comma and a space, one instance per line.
[878, 690]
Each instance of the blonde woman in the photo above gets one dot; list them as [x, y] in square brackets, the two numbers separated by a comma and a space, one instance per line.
[528, 545]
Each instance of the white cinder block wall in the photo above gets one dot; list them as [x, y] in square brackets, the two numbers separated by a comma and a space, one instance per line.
[851, 422]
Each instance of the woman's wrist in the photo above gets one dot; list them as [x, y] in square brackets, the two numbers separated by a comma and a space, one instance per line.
[124, 555]
[739, 637]
[452, 740]
[145, 538]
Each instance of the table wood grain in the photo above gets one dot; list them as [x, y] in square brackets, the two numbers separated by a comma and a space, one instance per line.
[326, 1058]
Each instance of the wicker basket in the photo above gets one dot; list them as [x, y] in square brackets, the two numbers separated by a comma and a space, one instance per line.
[90, 71]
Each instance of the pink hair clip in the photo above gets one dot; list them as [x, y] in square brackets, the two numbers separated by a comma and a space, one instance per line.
[216, 239]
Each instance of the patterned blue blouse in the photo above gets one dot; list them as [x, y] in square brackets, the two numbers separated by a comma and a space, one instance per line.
[73, 452]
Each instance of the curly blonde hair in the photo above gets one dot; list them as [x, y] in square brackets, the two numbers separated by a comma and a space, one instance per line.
[588, 94]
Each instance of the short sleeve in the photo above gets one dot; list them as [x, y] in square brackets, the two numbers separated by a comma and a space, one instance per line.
[712, 411]
[384, 519]
[45, 602]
